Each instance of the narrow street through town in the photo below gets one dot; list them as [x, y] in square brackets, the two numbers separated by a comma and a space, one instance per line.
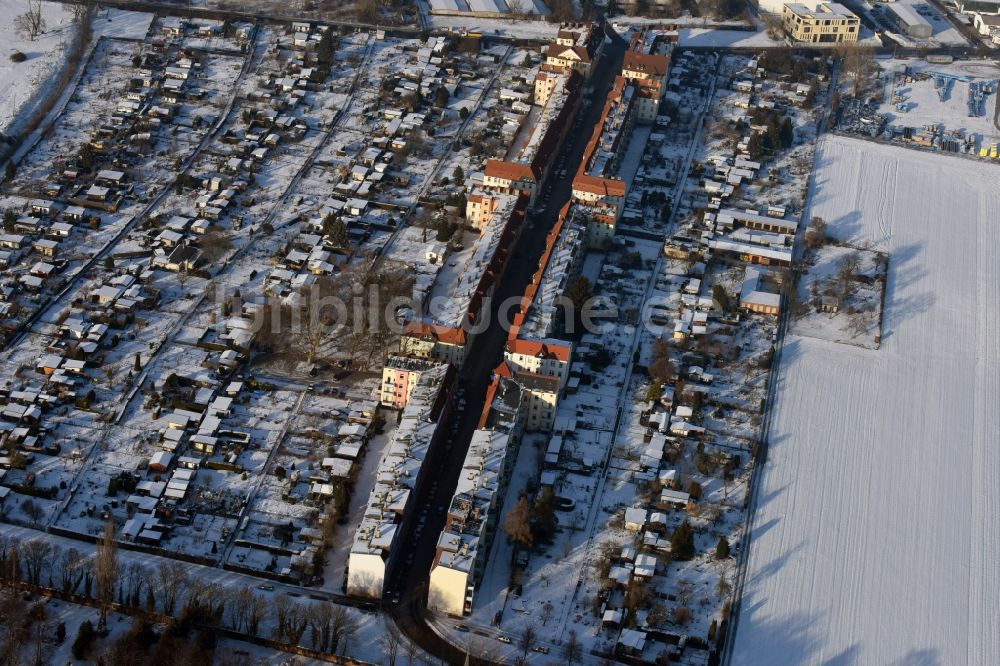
[409, 582]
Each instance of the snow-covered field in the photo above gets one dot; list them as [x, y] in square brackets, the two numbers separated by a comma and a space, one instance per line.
[875, 540]
[23, 85]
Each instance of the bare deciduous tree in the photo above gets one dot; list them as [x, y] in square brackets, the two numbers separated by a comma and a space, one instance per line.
[71, 570]
[172, 578]
[32, 510]
[517, 524]
[255, 613]
[214, 245]
[136, 576]
[856, 62]
[526, 639]
[35, 554]
[571, 650]
[546, 615]
[517, 9]
[389, 642]
[342, 631]
[106, 570]
[30, 24]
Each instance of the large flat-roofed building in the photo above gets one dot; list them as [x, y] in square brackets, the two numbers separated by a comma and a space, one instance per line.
[777, 6]
[829, 23]
[493, 9]
[988, 26]
[991, 7]
[908, 21]
[400, 375]
[474, 513]
[376, 543]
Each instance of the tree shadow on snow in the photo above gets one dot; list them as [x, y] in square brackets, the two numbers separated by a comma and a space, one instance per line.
[794, 639]
[904, 272]
[774, 566]
[846, 228]
[925, 657]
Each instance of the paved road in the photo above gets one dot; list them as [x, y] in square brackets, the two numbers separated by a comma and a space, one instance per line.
[410, 581]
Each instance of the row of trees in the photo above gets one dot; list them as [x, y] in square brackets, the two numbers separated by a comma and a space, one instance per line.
[169, 589]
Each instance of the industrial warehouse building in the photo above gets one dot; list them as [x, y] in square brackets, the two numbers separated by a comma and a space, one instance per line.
[908, 21]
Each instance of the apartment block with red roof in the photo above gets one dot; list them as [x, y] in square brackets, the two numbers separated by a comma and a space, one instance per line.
[577, 46]
[534, 356]
[529, 163]
[596, 187]
[442, 343]
[447, 325]
[647, 70]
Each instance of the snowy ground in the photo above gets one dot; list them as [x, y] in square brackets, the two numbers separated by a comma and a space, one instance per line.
[726, 38]
[23, 85]
[875, 536]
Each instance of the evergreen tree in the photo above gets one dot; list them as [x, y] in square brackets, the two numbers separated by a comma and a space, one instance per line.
[84, 639]
[86, 156]
[787, 133]
[545, 514]
[335, 231]
[722, 549]
[754, 147]
[324, 50]
[682, 542]
[441, 97]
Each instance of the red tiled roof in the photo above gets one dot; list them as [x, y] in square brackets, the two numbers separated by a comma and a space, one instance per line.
[425, 331]
[560, 352]
[613, 95]
[532, 380]
[491, 392]
[511, 170]
[559, 51]
[654, 65]
[608, 187]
